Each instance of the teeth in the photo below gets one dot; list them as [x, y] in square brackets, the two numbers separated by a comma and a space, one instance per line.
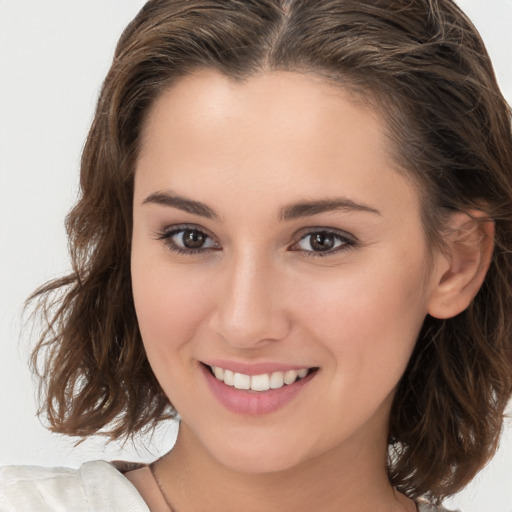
[277, 380]
[241, 381]
[290, 377]
[229, 378]
[219, 372]
[262, 382]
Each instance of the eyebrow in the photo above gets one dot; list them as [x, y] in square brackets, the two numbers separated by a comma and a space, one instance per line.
[290, 212]
[308, 208]
[181, 203]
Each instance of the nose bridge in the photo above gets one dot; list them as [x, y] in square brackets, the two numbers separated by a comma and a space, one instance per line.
[250, 307]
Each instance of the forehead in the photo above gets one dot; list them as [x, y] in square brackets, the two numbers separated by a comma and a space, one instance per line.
[208, 103]
[288, 133]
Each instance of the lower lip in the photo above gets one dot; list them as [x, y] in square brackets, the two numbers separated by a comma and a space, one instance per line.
[254, 403]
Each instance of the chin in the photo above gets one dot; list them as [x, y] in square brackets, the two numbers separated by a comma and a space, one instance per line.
[249, 451]
[243, 461]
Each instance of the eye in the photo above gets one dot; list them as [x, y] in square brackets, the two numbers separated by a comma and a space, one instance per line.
[323, 242]
[188, 240]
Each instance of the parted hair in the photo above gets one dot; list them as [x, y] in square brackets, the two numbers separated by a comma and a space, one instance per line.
[422, 65]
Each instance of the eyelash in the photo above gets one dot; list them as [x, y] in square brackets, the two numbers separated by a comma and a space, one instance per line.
[345, 240]
[167, 234]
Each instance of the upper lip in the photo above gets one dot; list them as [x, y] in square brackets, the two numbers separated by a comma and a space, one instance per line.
[258, 368]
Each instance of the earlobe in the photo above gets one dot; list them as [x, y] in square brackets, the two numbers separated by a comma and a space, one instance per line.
[462, 267]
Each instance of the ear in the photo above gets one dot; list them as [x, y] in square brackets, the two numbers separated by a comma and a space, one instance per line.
[460, 269]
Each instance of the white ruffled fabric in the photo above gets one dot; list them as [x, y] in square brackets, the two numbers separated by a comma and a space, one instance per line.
[94, 487]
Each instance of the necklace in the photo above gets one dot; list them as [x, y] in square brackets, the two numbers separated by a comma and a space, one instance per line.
[152, 468]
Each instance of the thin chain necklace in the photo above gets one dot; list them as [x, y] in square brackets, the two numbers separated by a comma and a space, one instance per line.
[152, 468]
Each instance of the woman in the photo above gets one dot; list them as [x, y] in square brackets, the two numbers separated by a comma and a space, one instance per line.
[295, 227]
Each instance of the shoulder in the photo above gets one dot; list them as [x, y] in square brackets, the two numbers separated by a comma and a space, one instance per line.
[94, 487]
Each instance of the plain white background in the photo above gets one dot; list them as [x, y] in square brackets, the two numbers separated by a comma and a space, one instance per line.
[53, 57]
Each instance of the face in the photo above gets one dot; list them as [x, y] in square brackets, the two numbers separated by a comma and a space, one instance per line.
[276, 245]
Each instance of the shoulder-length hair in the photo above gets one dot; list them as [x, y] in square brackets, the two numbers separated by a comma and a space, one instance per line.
[423, 66]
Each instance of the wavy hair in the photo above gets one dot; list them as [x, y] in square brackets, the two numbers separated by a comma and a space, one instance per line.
[423, 66]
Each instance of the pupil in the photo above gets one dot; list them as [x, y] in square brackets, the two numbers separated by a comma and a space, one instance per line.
[193, 239]
[322, 241]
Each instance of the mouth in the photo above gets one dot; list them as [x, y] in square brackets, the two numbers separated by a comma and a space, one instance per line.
[259, 383]
[254, 392]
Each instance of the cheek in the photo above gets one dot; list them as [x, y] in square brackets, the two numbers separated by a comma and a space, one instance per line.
[369, 322]
[169, 304]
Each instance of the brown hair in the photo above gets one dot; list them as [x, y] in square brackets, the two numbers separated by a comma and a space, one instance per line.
[424, 66]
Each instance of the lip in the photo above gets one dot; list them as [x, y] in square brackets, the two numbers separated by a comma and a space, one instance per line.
[254, 403]
[253, 368]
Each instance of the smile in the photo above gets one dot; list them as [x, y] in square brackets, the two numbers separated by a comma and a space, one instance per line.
[256, 389]
[262, 382]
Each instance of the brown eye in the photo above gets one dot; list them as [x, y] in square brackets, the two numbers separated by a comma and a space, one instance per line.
[323, 242]
[188, 240]
[193, 239]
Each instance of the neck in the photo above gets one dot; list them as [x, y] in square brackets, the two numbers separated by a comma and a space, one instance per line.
[350, 478]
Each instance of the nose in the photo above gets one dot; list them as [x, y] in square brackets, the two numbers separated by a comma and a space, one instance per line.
[250, 310]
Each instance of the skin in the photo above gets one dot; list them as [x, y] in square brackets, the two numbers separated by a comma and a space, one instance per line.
[258, 292]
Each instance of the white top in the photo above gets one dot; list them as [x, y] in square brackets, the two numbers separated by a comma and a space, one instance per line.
[94, 487]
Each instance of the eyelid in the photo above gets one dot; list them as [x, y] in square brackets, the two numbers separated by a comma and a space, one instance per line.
[168, 232]
[174, 228]
[301, 233]
[350, 241]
